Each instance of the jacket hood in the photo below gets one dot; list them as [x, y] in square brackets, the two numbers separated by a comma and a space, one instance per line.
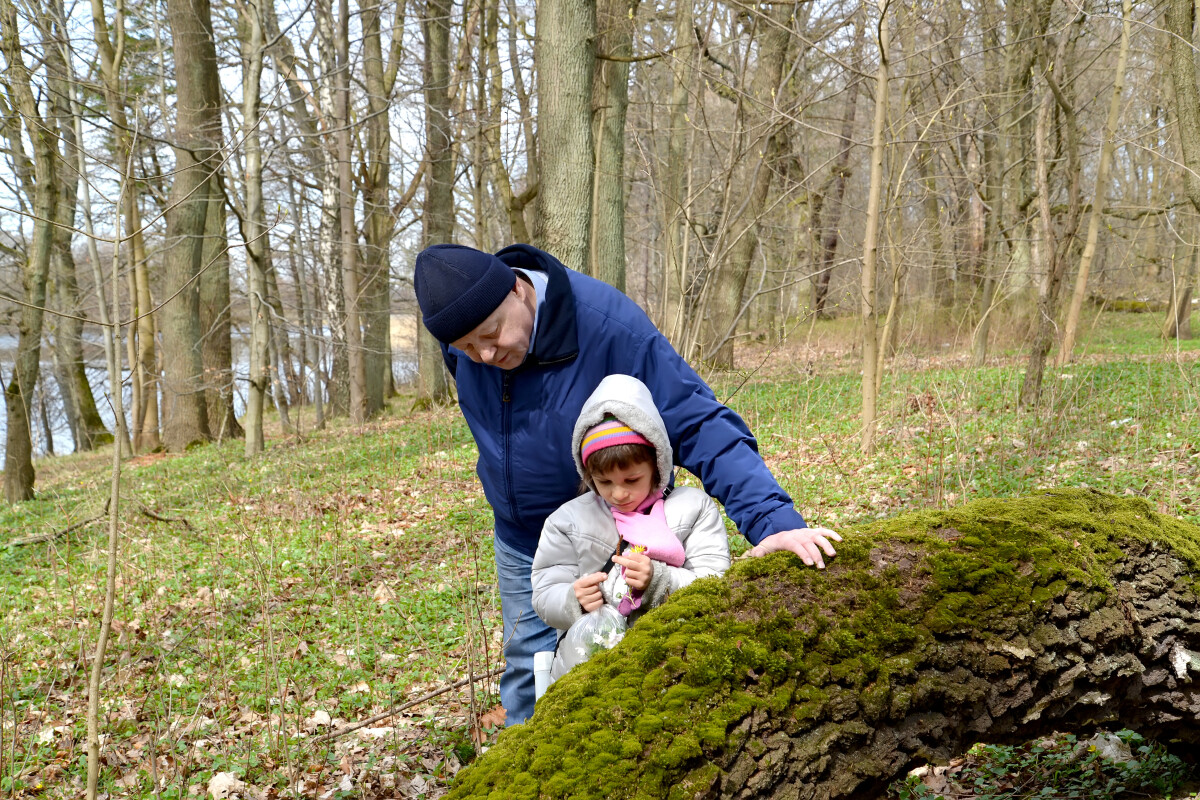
[629, 400]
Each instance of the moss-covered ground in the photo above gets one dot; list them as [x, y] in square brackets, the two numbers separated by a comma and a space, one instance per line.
[345, 570]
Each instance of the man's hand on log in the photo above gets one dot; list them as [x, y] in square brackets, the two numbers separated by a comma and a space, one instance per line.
[804, 542]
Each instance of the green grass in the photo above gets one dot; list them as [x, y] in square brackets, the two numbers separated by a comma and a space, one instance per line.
[350, 570]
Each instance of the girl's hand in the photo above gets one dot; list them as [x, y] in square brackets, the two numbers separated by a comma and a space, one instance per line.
[639, 569]
[587, 591]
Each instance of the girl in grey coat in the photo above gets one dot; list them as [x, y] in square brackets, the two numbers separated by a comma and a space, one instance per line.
[623, 543]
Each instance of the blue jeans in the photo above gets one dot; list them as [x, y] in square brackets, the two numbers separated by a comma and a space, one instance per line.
[524, 632]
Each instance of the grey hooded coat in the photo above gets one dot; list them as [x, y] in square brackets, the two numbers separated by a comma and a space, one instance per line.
[578, 538]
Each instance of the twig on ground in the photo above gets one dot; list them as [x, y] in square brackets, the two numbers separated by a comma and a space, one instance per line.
[46, 537]
[405, 706]
[146, 512]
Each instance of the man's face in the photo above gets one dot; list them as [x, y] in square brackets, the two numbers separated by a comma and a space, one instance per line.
[502, 340]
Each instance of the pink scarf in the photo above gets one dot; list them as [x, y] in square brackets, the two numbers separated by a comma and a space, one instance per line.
[647, 532]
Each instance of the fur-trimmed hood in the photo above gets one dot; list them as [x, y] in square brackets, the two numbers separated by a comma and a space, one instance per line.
[629, 400]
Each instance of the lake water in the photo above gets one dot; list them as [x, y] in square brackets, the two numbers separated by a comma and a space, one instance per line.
[403, 367]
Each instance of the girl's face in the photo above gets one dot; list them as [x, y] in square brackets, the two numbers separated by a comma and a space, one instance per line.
[624, 488]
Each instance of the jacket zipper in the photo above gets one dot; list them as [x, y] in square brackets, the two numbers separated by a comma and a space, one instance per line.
[506, 400]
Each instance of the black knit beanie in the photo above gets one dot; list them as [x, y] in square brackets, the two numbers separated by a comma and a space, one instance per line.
[458, 288]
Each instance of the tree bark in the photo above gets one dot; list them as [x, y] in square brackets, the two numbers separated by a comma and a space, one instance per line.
[827, 204]
[437, 219]
[379, 222]
[1178, 324]
[999, 621]
[678, 171]
[41, 183]
[216, 352]
[255, 234]
[761, 124]
[869, 312]
[1055, 243]
[144, 383]
[564, 51]
[514, 204]
[87, 427]
[197, 137]
[1180, 23]
[610, 101]
[351, 279]
[1100, 195]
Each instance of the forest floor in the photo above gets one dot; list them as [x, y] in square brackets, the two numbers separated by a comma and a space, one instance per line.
[264, 602]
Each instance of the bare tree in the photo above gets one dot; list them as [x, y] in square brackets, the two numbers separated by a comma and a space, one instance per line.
[253, 46]
[760, 143]
[437, 219]
[110, 45]
[610, 101]
[870, 333]
[564, 52]
[379, 220]
[39, 179]
[87, 428]
[1100, 194]
[1057, 237]
[197, 139]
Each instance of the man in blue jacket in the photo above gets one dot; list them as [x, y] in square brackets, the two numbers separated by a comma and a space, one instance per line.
[527, 340]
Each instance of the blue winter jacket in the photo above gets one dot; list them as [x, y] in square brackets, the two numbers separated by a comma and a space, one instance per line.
[522, 418]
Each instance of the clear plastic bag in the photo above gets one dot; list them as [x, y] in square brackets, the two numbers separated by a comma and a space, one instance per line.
[597, 630]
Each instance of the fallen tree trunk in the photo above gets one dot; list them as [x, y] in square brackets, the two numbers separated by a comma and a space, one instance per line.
[999, 621]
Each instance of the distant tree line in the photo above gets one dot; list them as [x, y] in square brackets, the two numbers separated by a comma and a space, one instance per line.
[181, 173]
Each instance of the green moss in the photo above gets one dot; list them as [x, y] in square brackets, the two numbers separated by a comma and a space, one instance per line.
[829, 650]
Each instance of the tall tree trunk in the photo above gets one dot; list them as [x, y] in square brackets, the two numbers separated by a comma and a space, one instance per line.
[351, 283]
[992, 190]
[1180, 23]
[216, 351]
[1100, 194]
[1055, 245]
[197, 137]
[41, 183]
[610, 101]
[253, 45]
[337, 379]
[1026, 23]
[564, 52]
[87, 427]
[870, 331]
[379, 222]
[827, 204]
[437, 218]
[739, 240]
[144, 410]
[677, 181]
[514, 204]
[110, 333]
[1178, 324]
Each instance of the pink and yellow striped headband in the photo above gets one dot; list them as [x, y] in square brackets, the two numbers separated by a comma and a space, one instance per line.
[608, 433]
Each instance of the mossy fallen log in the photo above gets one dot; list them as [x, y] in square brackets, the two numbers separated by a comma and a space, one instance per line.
[998, 621]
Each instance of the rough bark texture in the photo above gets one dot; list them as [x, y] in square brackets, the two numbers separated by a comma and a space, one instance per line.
[197, 135]
[437, 217]
[216, 349]
[748, 198]
[995, 622]
[610, 103]
[38, 179]
[564, 52]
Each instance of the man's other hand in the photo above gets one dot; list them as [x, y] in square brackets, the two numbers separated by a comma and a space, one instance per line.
[804, 542]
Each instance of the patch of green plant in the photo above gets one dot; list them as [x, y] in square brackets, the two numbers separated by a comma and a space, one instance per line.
[1056, 768]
